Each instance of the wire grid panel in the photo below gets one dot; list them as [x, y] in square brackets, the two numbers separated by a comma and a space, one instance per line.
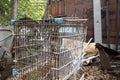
[46, 50]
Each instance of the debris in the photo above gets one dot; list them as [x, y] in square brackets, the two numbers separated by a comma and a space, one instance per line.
[104, 59]
[109, 51]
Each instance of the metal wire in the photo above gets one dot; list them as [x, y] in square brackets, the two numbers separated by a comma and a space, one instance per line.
[47, 50]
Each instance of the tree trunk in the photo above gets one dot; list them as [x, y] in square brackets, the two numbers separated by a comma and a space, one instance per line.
[14, 9]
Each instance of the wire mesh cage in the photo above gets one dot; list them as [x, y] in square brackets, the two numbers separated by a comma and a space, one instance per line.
[47, 50]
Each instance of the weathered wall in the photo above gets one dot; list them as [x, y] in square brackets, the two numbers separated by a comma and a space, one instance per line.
[84, 9]
[113, 20]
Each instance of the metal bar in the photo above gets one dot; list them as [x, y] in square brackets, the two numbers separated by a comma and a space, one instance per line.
[68, 50]
[70, 62]
[118, 24]
[107, 23]
[97, 21]
[68, 36]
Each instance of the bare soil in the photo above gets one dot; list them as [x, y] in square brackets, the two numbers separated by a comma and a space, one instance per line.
[92, 72]
[96, 72]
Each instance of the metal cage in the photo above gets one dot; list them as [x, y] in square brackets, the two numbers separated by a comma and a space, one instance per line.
[48, 50]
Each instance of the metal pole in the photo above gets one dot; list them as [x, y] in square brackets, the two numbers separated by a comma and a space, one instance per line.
[118, 24]
[97, 21]
[107, 23]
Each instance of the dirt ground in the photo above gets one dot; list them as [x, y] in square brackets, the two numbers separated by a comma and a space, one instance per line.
[93, 72]
[96, 73]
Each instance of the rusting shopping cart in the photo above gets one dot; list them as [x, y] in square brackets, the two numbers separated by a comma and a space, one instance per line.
[48, 50]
